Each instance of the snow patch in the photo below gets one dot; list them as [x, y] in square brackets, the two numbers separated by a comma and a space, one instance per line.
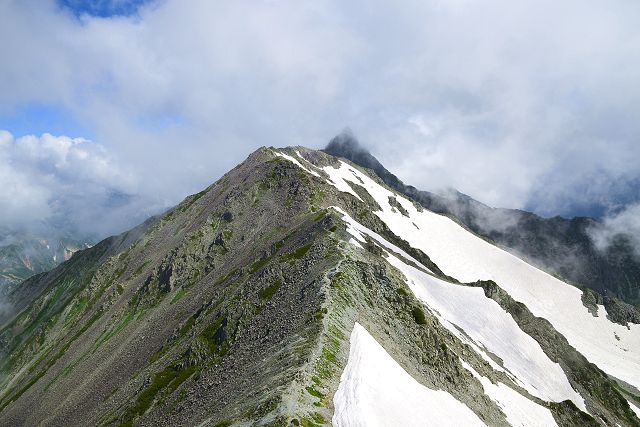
[297, 163]
[354, 242]
[520, 411]
[376, 391]
[337, 178]
[357, 230]
[491, 327]
[634, 408]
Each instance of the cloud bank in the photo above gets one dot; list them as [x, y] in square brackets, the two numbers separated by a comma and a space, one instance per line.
[69, 184]
[519, 104]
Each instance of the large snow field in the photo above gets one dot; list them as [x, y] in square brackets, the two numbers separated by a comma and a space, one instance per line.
[468, 314]
[461, 254]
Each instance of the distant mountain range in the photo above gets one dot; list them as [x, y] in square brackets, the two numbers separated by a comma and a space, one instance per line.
[24, 253]
[301, 290]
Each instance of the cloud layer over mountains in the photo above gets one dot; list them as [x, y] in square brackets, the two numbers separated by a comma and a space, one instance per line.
[72, 184]
[519, 104]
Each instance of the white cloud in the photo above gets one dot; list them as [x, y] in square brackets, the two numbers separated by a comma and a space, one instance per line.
[515, 103]
[622, 224]
[72, 183]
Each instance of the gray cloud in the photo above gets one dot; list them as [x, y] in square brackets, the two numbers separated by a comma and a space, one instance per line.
[518, 104]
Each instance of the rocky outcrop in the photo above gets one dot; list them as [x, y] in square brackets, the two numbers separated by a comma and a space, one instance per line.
[616, 310]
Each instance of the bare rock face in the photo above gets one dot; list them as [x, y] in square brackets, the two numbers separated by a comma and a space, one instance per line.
[236, 306]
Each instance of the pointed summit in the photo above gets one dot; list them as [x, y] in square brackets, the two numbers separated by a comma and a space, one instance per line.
[347, 146]
[345, 142]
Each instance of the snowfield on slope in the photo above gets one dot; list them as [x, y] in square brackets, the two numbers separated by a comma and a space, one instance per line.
[376, 391]
[465, 256]
[634, 408]
[491, 327]
[520, 411]
[358, 231]
[486, 326]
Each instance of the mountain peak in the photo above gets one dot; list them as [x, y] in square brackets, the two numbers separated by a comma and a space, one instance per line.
[347, 146]
[345, 142]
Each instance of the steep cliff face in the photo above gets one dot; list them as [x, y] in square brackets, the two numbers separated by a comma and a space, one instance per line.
[561, 246]
[301, 290]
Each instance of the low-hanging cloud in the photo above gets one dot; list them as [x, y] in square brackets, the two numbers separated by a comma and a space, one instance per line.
[71, 184]
[519, 104]
[619, 227]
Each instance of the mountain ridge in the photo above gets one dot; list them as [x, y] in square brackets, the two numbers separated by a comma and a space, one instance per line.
[237, 307]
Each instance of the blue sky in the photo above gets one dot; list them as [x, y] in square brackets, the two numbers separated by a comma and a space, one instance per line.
[102, 8]
[37, 119]
[529, 104]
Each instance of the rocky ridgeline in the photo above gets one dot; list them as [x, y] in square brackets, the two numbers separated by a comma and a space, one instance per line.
[235, 308]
